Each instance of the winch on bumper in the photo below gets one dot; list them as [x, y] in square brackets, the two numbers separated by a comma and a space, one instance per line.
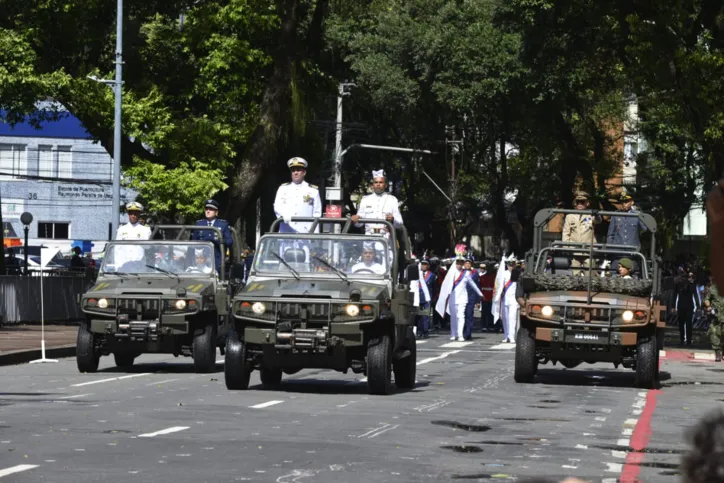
[140, 319]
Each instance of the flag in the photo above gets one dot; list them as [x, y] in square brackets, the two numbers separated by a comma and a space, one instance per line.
[498, 288]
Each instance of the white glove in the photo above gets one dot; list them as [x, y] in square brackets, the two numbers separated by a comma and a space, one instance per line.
[287, 219]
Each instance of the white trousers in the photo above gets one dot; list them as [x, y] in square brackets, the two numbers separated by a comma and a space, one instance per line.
[457, 320]
[510, 321]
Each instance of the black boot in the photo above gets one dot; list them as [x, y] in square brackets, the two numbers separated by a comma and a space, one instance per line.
[717, 355]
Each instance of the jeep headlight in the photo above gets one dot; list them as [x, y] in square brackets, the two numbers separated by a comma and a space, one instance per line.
[180, 304]
[627, 316]
[258, 308]
[547, 311]
[352, 310]
[103, 303]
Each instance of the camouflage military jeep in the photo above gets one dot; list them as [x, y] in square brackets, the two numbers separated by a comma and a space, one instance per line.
[158, 296]
[309, 303]
[577, 309]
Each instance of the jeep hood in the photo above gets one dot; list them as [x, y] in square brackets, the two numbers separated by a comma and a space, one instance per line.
[132, 285]
[563, 297]
[324, 289]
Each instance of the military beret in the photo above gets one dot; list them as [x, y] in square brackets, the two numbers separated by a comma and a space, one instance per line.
[134, 206]
[213, 204]
[626, 263]
[297, 163]
[582, 195]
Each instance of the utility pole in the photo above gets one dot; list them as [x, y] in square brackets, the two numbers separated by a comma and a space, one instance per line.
[118, 86]
[455, 147]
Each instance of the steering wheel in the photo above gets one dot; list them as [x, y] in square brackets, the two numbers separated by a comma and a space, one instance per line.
[364, 270]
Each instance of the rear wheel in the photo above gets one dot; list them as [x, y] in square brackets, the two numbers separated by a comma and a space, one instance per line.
[379, 365]
[204, 349]
[124, 359]
[405, 369]
[270, 377]
[236, 370]
[86, 355]
[647, 364]
[526, 364]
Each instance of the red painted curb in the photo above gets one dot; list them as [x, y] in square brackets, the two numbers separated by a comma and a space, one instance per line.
[639, 440]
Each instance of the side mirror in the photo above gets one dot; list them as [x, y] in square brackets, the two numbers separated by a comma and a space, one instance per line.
[237, 271]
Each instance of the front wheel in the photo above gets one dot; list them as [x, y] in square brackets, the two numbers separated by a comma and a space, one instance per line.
[647, 367]
[86, 355]
[236, 370]
[525, 362]
[379, 365]
[204, 350]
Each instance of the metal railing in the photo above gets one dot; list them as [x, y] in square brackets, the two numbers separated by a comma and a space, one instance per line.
[20, 297]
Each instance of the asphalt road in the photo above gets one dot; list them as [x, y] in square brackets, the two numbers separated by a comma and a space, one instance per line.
[467, 419]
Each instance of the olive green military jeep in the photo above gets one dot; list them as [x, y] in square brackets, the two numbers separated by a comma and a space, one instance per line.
[325, 300]
[579, 309]
[159, 296]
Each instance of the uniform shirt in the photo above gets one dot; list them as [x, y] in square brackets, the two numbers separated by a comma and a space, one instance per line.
[624, 230]
[203, 269]
[297, 200]
[578, 228]
[212, 236]
[375, 267]
[376, 206]
[135, 231]
[487, 284]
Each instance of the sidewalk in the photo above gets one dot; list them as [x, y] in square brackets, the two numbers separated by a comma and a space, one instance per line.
[21, 343]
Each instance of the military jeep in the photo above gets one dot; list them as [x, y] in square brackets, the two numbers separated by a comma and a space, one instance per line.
[578, 309]
[310, 303]
[158, 296]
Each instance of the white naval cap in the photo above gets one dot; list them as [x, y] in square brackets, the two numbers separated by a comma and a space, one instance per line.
[134, 206]
[380, 173]
[297, 162]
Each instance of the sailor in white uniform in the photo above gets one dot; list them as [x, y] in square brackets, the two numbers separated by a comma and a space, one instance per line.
[133, 230]
[297, 199]
[368, 263]
[379, 205]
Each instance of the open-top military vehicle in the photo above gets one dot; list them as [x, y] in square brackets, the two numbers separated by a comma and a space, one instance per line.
[309, 303]
[159, 296]
[578, 310]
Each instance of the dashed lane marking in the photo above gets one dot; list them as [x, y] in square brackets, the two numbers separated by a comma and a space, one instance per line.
[99, 381]
[441, 356]
[162, 382]
[265, 404]
[174, 429]
[456, 344]
[76, 396]
[16, 469]
[503, 346]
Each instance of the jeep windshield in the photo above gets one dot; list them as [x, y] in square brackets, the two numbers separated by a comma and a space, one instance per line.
[562, 258]
[159, 258]
[346, 256]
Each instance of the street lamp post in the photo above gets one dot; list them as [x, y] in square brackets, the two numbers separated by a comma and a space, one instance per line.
[26, 219]
[117, 85]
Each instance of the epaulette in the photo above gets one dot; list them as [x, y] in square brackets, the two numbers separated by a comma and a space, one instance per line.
[314, 186]
[288, 183]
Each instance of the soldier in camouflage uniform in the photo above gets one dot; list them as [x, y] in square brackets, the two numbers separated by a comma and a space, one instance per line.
[714, 305]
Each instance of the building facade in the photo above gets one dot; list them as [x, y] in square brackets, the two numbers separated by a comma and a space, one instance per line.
[59, 175]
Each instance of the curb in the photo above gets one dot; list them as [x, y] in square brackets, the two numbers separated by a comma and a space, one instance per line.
[704, 356]
[23, 356]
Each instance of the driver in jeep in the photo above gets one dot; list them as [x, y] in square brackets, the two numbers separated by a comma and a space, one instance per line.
[368, 263]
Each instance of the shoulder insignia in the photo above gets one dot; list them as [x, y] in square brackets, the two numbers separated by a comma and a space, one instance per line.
[287, 183]
[314, 186]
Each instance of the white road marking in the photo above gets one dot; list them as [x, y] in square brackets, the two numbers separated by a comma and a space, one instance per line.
[627, 432]
[373, 431]
[265, 404]
[631, 422]
[614, 467]
[111, 379]
[16, 469]
[77, 395]
[619, 454]
[162, 382]
[421, 341]
[441, 356]
[174, 429]
[504, 345]
[383, 431]
[456, 345]
[609, 480]
[219, 361]
[600, 418]
[569, 467]
[581, 446]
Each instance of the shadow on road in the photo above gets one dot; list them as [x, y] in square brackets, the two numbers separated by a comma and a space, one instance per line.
[329, 386]
[582, 377]
[158, 368]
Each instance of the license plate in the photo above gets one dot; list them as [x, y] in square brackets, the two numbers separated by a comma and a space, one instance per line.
[587, 337]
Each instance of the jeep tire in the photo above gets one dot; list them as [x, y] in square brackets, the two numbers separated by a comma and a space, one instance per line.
[405, 369]
[647, 363]
[204, 349]
[236, 369]
[123, 359]
[379, 365]
[86, 355]
[270, 377]
[525, 360]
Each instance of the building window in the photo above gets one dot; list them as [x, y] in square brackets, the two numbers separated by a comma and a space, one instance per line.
[65, 162]
[45, 161]
[13, 161]
[54, 231]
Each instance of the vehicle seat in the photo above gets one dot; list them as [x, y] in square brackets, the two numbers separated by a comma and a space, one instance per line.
[297, 259]
[561, 266]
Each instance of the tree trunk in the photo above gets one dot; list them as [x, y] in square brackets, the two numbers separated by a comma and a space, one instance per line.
[263, 148]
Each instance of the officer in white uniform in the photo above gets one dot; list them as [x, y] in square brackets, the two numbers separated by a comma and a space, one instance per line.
[379, 205]
[297, 199]
[133, 230]
[368, 263]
